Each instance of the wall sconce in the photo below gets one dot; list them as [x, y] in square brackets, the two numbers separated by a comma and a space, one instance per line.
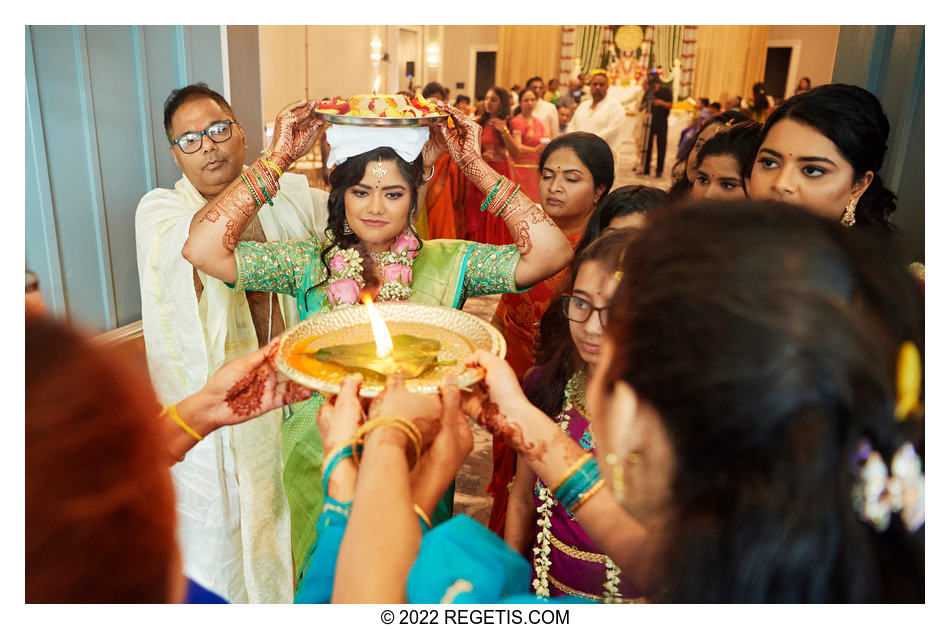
[432, 55]
[375, 47]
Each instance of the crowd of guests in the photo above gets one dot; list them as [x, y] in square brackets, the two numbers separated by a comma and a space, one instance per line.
[710, 394]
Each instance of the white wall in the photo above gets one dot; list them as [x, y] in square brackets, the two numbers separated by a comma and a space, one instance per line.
[456, 53]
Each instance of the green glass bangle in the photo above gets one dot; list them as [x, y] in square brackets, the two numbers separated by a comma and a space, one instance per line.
[491, 196]
[260, 180]
[508, 200]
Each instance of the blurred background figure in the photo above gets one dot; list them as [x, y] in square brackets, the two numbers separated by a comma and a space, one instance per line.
[34, 299]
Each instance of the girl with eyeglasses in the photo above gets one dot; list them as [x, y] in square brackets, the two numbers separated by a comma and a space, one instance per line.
[569, 348]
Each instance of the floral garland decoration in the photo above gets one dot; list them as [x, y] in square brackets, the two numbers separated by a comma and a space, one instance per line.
[573, 398]
[395, 265]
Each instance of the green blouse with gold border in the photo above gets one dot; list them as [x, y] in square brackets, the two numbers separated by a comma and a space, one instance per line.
[445, 273]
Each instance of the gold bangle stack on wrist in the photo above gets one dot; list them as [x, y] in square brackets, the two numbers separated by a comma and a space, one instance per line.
[400, 423]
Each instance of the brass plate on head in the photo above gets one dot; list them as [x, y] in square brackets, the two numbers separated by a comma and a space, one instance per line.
[459, 334]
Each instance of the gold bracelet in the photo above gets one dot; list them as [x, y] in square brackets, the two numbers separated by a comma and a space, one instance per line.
[576, 465]
[422, 514]
[413, 433]
[172, 412]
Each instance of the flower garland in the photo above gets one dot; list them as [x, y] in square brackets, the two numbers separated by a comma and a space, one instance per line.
[573, 399]
[395, 265]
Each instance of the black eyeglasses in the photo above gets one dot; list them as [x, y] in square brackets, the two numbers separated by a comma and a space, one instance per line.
[190, 142]
[578, 309]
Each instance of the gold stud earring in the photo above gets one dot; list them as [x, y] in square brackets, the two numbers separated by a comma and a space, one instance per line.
[847, 219]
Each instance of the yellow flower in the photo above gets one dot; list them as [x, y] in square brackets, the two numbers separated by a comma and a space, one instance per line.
[908, 381]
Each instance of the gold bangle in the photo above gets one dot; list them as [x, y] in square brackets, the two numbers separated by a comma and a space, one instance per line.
[422, 514]
[276, 168]
[576, 465]
[413, 433]
[172, 412]
[584, 497]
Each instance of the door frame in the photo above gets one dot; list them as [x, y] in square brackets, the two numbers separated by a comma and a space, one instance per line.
[473, 51]
[791, 81]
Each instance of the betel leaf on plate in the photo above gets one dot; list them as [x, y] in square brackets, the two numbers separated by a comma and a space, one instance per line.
[411, 355]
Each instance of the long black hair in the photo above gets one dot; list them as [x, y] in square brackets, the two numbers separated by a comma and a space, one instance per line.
[853, 119]
[504, 106]
[555, 354]
[635, 199]
[766, 339]
[348, 174]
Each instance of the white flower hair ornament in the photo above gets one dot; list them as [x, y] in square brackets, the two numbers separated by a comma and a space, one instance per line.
[878, 494]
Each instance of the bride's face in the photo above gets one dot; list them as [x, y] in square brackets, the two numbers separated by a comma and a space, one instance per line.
[377, 208]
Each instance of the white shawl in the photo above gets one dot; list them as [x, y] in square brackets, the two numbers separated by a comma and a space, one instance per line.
[233, 518]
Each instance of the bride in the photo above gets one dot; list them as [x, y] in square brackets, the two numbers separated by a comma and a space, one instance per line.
[370, 247]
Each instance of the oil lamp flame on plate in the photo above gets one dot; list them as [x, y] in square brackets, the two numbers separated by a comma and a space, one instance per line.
[384, 341]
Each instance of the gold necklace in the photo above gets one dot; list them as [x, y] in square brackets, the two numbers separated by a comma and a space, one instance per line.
[574, 392]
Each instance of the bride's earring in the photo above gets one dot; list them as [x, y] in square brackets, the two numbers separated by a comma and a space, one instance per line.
[346, 228]
[847, 219]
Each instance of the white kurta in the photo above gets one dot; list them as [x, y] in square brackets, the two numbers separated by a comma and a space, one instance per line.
[233, 518]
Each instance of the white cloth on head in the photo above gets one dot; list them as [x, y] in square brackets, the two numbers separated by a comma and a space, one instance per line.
[233, 517]
[349, 140]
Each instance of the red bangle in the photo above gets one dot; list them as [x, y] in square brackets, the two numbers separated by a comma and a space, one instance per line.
[257, 193]
[247, 182]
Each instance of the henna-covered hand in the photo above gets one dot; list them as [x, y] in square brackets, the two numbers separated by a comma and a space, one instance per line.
[296, 130]
[499, 405]
[464, 141]
[247, 387]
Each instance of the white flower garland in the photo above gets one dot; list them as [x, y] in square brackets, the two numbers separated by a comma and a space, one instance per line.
[573, 391]
[345, 267]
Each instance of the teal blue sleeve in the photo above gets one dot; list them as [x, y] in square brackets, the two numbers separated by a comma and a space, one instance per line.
[319, 569]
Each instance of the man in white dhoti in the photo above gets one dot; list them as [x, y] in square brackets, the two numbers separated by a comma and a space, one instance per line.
[233, 518]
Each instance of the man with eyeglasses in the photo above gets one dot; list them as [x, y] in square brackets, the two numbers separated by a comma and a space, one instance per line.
[233, 517]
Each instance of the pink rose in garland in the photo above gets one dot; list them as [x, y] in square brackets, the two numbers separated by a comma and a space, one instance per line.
[343, 291]
[408, 244]
[397, 273]
[337, 263]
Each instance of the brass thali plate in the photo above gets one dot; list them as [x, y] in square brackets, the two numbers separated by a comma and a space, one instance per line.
[459, 334]
[367, 121]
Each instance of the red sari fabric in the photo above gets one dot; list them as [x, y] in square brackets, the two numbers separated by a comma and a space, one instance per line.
[520, 314]
[444, 201]
[481, 226]
[525, 166]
